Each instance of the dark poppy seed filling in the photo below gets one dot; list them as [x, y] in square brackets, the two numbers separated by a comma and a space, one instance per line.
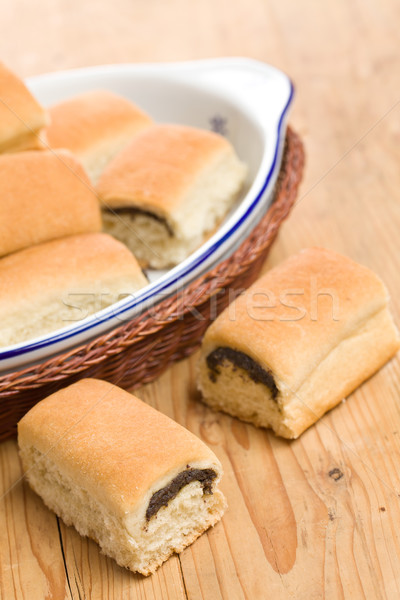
[167, 493]
[138, 211]
[240, 360]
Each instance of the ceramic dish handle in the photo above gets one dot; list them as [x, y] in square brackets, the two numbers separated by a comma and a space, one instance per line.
[263, 91]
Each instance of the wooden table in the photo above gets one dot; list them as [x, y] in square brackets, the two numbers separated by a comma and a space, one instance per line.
[318, 517]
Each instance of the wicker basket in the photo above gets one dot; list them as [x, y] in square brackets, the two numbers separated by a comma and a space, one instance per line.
[140, 350]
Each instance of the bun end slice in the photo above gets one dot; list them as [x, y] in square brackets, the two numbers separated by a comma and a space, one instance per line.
[297, 342]
[120, 472]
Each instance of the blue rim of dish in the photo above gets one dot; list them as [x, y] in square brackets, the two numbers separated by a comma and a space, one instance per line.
[158, 289]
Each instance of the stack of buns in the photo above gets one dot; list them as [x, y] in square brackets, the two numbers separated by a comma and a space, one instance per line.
[162, 190]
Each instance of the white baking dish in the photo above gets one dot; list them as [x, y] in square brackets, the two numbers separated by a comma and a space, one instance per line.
[243, 99]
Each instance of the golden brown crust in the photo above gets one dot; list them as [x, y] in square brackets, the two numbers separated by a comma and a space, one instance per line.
[44, 196]
[353, 361]
[85, 121]
[333, 296]
[79, 427]
[154, 171]
[21, 116]
[76, 263]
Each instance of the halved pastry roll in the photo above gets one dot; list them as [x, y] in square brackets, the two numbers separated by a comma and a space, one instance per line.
[22, 118]
[297, 342]
[95, 126]
[122, 473]
[43, 197]
[59, 283]
[167, 189]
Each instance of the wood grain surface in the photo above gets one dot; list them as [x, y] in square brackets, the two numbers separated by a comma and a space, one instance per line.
[318, 517]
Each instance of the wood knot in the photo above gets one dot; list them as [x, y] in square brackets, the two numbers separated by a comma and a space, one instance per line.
[336, 474]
